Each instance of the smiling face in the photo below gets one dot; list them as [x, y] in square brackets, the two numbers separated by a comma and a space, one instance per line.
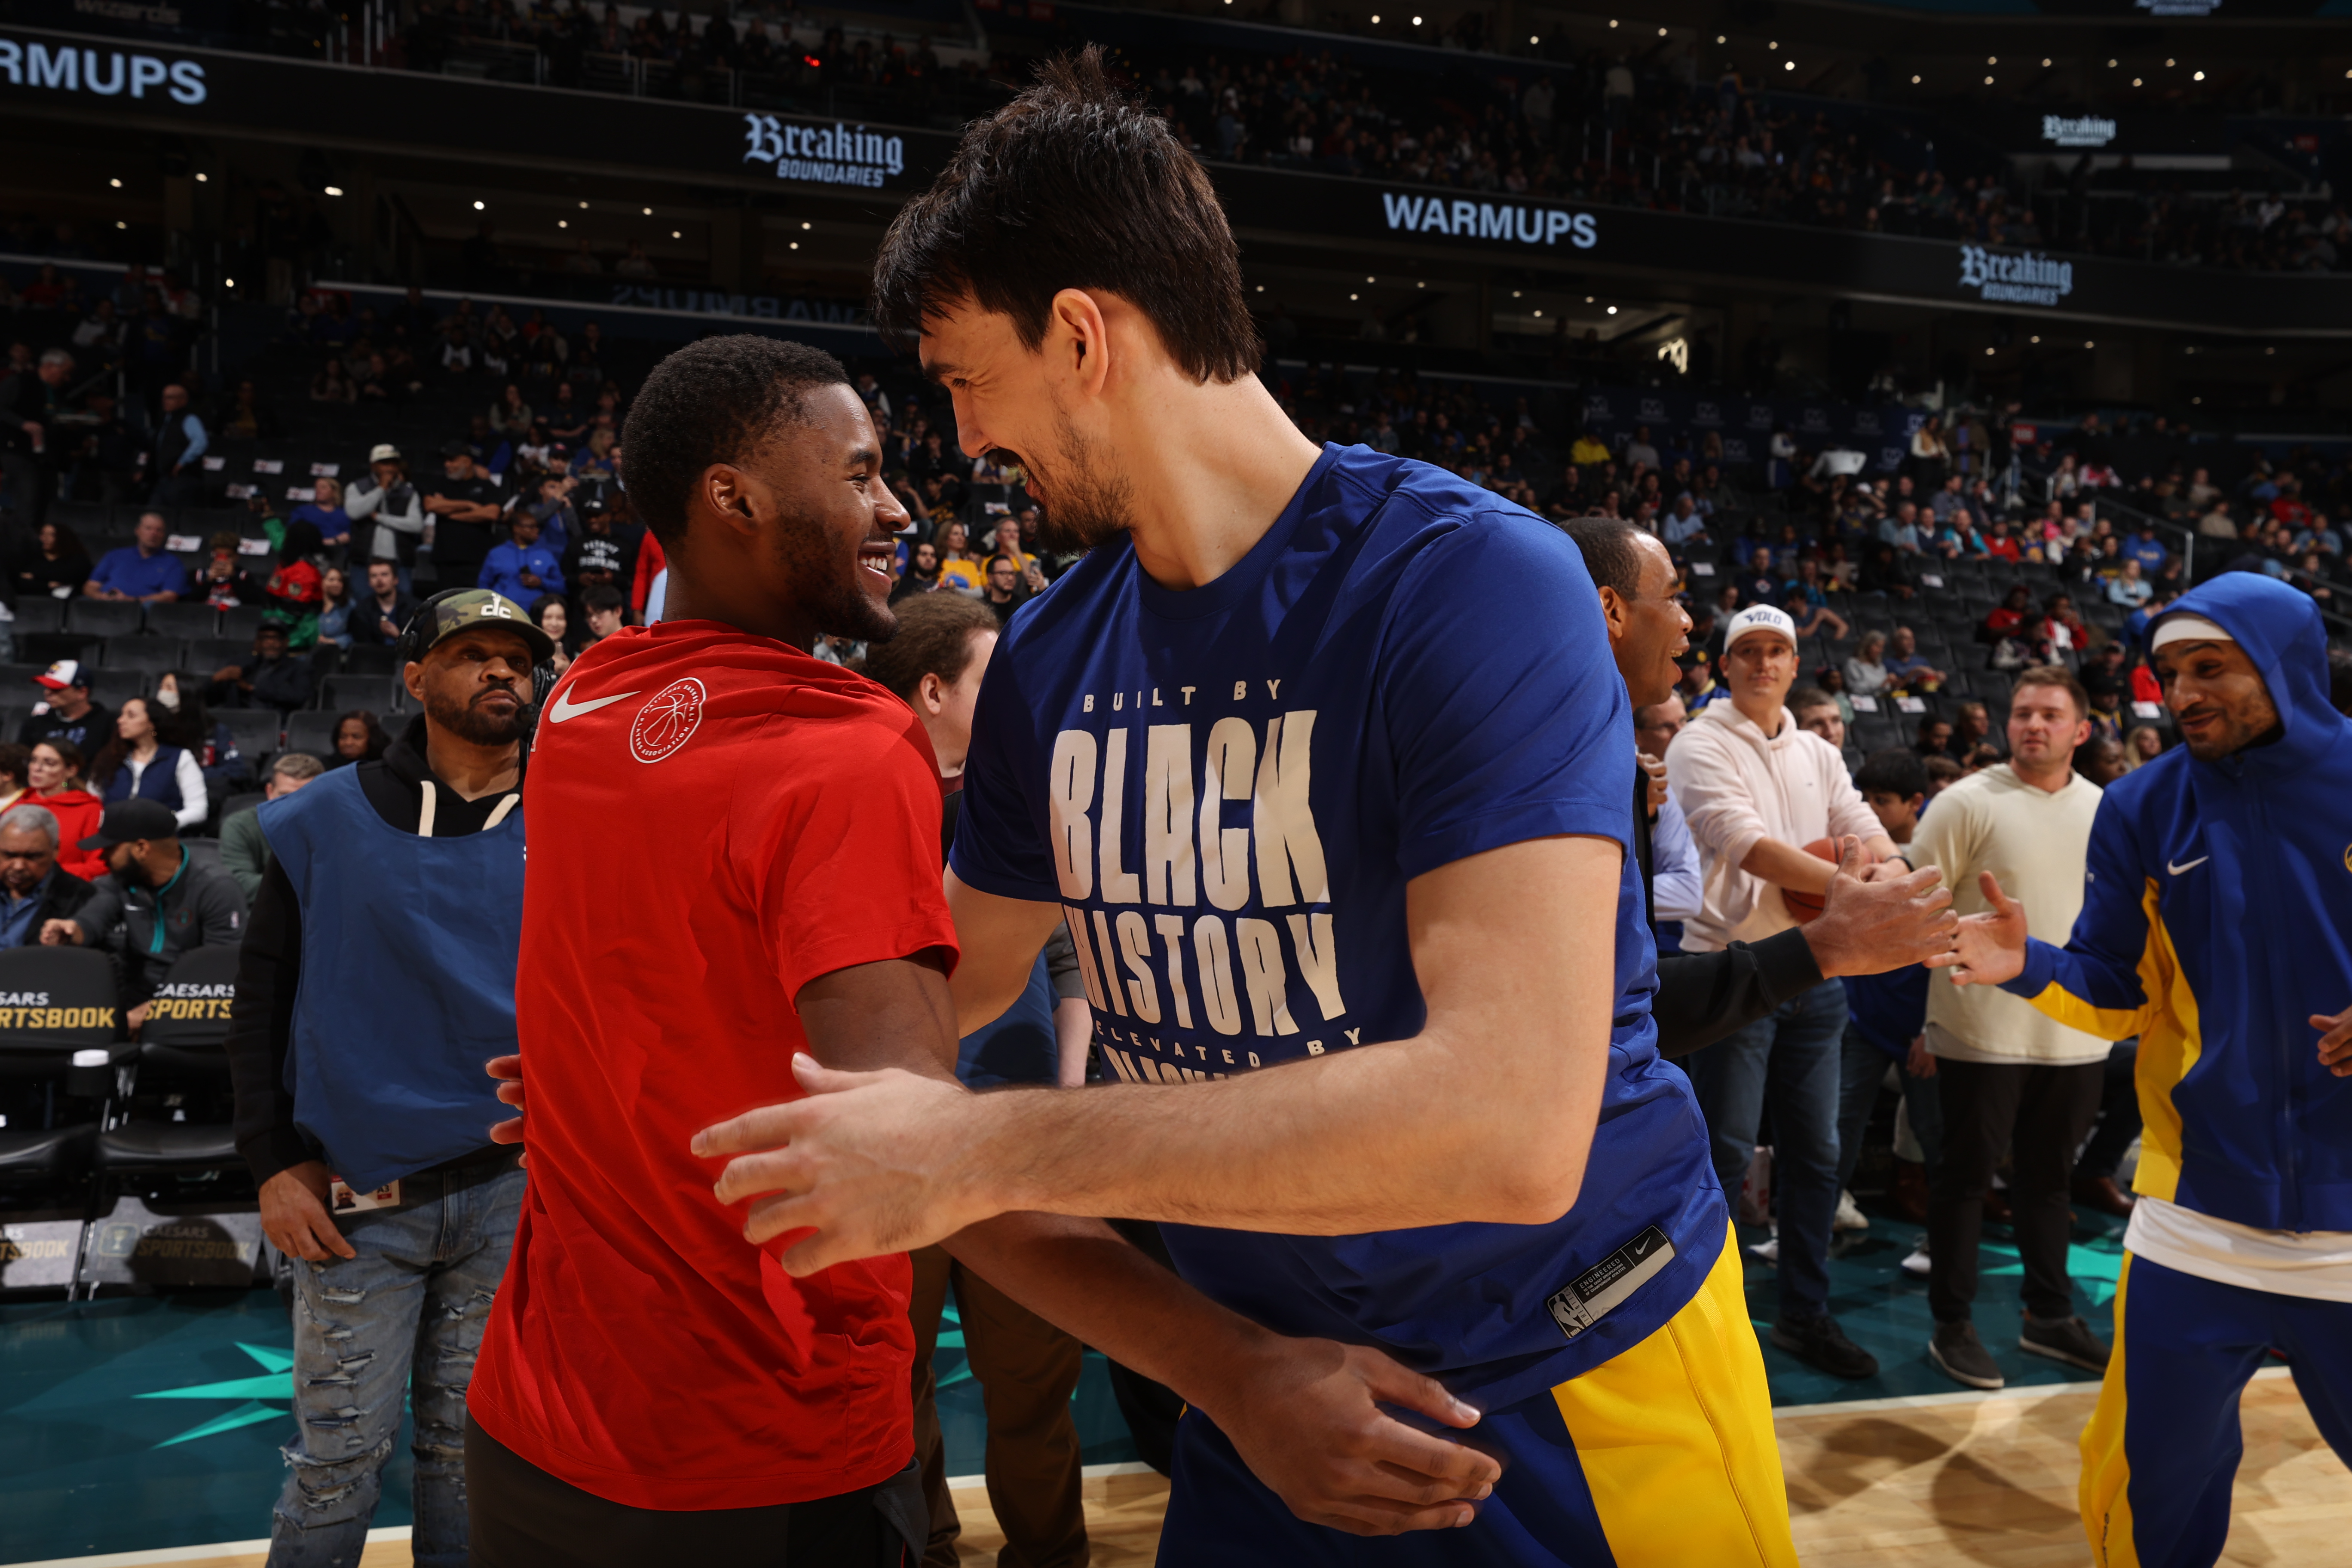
[2217, 697]
[816, 490]
[1656, 628]
[1760, 669]
[1010, 406]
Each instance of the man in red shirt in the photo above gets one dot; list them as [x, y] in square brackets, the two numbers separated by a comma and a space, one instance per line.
[652, 1386]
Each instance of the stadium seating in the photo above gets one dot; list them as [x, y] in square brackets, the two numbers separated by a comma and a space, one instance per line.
[311, 732]
[182, 620]
[149, 656]
[255, 730]
[179, 1056]
[79, 1015]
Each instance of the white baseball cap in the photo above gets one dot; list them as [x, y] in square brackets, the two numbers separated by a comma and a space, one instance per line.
[1758, 618]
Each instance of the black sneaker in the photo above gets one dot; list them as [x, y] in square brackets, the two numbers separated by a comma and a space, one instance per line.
[1819, 1342]
[1962, 1356]
[2069, 1340]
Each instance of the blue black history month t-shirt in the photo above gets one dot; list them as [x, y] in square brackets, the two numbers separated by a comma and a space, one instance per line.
[1228, 788]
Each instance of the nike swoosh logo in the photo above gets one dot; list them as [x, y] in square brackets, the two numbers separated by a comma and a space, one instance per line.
[563, 708]
[2176, 871]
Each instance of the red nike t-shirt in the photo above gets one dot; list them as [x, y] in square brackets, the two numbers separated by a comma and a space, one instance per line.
[716, 820]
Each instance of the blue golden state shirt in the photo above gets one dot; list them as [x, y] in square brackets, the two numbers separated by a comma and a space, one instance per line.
[1227, 789]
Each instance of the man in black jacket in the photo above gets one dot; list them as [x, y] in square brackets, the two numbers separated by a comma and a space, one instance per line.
[379, 618]
[30, 445]
[272, 678]
[156, 901]
[33, 891]
[1865, 928]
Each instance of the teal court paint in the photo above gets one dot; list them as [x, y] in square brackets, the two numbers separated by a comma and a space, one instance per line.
[141, 1421]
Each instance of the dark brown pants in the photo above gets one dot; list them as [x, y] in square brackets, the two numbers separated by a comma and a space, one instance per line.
[1027, 1368]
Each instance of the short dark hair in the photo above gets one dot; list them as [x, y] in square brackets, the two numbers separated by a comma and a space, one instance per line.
[14, 760]
[1897, 770]
[1609, 555]
[2055, 675]
[602, 597]
[717, 401]
[934, 638]
[1806, 696]
[1074, 184]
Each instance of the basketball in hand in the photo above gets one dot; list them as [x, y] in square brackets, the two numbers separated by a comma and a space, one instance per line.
[1805, 906]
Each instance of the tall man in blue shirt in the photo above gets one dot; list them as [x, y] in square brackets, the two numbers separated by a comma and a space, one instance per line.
[140, 571]
[360, 1103]
[1321, 755]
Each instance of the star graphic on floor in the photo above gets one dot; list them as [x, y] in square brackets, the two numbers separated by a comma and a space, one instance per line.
[268, 1397]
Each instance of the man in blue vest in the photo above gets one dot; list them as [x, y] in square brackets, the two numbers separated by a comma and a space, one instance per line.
[378, 976]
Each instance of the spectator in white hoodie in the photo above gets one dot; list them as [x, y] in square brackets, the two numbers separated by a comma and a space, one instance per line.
[1755, 789]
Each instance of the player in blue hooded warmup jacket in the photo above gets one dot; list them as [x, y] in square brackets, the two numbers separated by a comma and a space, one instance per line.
[2217, 925]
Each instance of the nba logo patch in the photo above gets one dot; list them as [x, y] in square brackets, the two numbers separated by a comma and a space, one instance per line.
[1593, 1294]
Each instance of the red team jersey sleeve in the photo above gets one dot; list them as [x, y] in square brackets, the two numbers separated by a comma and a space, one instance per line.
[717, 819]
[845, 860]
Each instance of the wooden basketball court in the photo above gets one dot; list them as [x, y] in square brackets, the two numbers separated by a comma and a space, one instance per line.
[1960, 1480]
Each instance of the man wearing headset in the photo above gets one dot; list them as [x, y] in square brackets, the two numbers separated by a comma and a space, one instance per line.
[377, 977]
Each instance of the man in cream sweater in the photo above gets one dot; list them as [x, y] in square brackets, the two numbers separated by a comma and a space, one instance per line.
[2007, 1076]
[1755, 789]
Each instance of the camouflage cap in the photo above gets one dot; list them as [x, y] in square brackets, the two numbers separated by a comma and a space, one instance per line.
[445, 614]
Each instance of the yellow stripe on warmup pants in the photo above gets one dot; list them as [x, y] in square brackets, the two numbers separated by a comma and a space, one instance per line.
[1676, 1440]
[2103, 1494]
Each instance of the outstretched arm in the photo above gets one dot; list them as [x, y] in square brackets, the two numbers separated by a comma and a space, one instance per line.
[2106, 981]
[1865, 928]
[1487, 1114]
[1302, 1412]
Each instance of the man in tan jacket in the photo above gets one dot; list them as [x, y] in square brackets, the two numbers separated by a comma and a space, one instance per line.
[1757, 788]
[2009, 1076]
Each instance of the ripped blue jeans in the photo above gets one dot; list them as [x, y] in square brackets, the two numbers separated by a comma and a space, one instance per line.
[417, 1298]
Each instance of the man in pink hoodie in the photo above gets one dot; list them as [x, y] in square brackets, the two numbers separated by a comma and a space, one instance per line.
[1757, 788]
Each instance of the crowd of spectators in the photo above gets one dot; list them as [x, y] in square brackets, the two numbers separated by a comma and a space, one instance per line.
[521, 493]
[1677, 138]
[765, 57]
